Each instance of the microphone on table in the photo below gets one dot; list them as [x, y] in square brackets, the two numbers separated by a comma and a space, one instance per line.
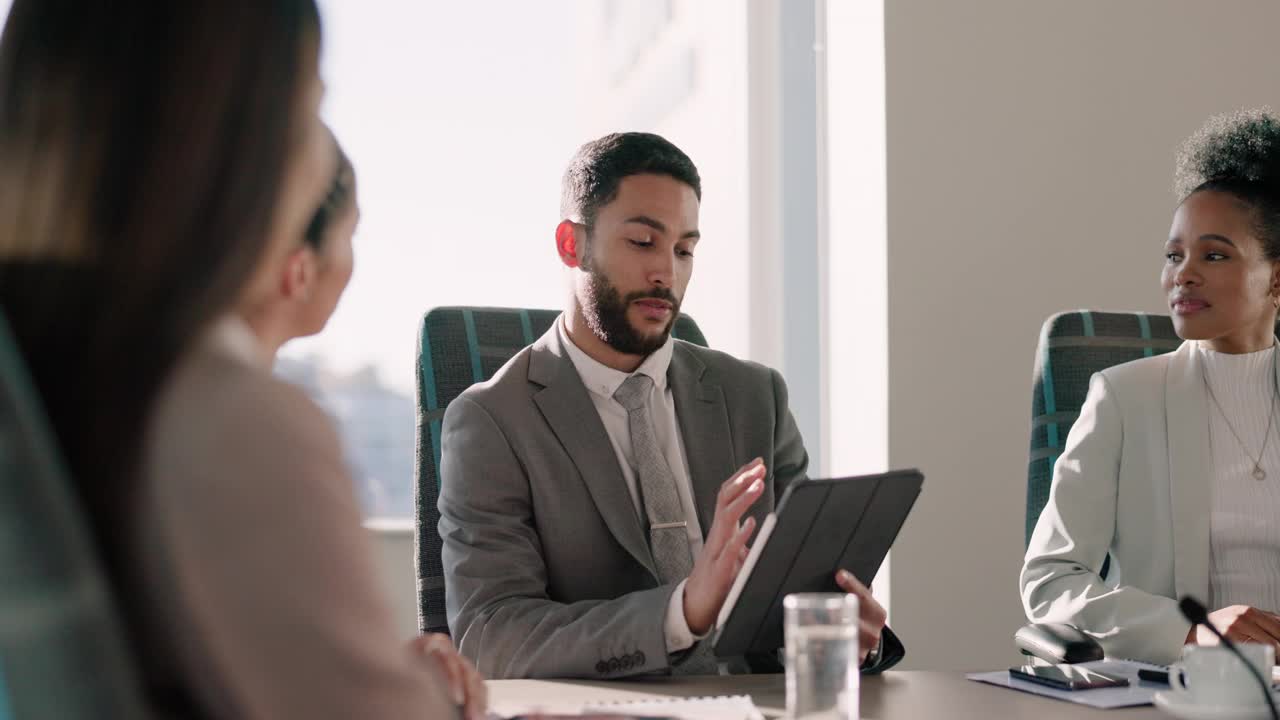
[1199, 615]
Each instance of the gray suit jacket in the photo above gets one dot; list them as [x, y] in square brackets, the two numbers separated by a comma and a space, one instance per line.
[547, 565]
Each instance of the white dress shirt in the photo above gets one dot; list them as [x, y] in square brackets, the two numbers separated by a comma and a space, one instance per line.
[601, 382]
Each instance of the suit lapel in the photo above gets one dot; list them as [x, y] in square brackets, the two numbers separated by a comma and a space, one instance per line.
[564, 402]
[1186, 413]
[704, 429]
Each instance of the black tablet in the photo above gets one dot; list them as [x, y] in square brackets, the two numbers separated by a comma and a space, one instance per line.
[819, 527]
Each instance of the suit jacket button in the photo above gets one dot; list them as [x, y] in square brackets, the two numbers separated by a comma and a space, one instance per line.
[627, 662]
[639, 658]
[614, 665]
[602, 667]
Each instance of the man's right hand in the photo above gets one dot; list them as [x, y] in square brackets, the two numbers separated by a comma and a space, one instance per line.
[1240, 623]
[726, 548]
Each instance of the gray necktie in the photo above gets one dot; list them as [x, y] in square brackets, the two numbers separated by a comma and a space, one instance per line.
[668, 534]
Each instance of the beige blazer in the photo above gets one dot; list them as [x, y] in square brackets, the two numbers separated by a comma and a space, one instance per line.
[256, 584]
[1133, 481]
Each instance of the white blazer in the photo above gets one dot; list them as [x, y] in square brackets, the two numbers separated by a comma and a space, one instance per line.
[1134, 481]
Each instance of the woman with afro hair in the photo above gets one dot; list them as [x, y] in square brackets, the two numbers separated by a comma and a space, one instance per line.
[1173, 469]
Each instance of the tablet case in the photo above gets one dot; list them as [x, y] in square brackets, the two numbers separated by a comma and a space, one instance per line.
[820, 526]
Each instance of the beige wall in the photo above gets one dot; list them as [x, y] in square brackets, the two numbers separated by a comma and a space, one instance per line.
[1030, 156]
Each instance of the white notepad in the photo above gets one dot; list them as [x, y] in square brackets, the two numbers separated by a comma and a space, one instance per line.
[724, 707]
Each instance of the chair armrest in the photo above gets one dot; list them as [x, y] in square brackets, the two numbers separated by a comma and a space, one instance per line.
[1057, 643]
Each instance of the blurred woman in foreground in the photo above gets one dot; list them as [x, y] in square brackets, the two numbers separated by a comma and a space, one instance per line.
[158, 164]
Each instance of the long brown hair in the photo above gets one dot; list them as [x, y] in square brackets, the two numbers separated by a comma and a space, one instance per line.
[142, 152]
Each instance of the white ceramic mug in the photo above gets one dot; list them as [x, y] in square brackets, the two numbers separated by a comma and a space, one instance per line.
[1212, 676]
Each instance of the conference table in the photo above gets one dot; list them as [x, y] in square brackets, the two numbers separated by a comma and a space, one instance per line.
[891, 696]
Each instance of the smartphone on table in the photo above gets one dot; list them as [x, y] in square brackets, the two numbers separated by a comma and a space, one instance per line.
[1066, 677]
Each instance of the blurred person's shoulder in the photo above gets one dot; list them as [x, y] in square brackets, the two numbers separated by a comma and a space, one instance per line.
[224, 418]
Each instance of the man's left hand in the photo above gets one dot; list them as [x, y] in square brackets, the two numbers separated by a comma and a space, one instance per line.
[871, 615]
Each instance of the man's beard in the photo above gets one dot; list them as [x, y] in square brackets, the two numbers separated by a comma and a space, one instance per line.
[606, 313]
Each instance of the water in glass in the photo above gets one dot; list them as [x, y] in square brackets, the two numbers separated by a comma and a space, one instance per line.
[822, 657]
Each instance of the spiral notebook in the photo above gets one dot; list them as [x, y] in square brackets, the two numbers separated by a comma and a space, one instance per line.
[723, 707]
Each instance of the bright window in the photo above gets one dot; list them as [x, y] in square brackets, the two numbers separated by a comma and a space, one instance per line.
[460, 118]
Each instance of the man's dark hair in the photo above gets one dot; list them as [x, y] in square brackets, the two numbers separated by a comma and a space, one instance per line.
[1239, 154]
[592, 178]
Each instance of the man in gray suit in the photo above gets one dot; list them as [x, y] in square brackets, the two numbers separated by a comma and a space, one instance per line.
[598, 493]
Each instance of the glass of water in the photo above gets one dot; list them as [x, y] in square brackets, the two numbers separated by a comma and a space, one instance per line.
[822, 655]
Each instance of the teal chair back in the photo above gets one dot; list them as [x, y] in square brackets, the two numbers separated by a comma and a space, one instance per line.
[457, 347]
[62, 649]
[1073, 346]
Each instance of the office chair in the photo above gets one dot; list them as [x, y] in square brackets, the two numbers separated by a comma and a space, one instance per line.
[457, 347]
[1073, 346]
[62, 647]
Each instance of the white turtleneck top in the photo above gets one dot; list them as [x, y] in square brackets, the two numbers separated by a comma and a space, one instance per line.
[1244, 535]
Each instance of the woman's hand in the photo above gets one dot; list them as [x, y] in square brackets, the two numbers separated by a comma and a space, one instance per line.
[466, 686]
[1239, 623]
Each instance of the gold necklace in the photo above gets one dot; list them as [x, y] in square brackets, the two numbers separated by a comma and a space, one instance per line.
[1258, 473]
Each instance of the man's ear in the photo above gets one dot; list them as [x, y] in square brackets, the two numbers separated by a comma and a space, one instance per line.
[567, 243]
[299, 274]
